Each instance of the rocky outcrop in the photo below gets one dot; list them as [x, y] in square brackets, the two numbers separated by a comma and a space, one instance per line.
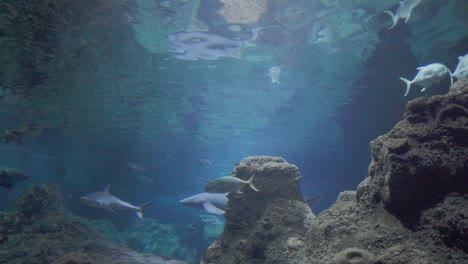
[412, 208]
[39, 230]
[423, 158]
[263, 225]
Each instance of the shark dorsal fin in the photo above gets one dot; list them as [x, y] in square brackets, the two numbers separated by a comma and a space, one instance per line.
[107, 188]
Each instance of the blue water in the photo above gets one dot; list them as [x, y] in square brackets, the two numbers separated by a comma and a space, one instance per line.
[110, 88]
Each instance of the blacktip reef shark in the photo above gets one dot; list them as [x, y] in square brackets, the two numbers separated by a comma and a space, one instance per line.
[104, 199]
[427, 76]
[403, 11]
[214, 203]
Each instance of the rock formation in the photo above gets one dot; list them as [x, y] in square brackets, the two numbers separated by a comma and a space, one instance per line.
[412, 208]
[39, 230]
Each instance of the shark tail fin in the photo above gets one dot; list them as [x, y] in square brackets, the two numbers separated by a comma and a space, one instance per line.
[408, 85]
[250, 183]
[394, 18]
[139, 213]
[311, 201]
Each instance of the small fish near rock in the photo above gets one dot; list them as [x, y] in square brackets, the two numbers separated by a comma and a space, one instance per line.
[9, 177]
[461, 72]
[274, 73]
[403, 11]
[427, 76]
[228, 184]
[104, 199]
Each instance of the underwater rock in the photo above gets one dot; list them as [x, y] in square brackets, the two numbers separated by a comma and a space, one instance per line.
[412, 208]
[423, 158]
[259, 224]
[39, 230]
[353, 256]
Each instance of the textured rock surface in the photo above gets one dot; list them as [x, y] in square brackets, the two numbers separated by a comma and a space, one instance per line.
[423, 158]
[40, 230]
[412, 208]
[263, 225]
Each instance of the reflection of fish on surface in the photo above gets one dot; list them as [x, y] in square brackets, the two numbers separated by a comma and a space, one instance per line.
[195, 45]
[9, 177]
[427, 76]
[461, 71]
[104, 199]
[274, 73]
[228, 184]
[404, 11]
[214, 203]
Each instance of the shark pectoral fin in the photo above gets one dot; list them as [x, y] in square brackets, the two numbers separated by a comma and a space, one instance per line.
[423, 89]
[112, 210]
[210, 208]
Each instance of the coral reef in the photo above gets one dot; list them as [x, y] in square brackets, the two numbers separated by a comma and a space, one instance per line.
[412, 208]
[39, 230]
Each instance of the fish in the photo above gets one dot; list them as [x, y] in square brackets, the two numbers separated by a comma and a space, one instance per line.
[461, 71]
[144, 178]
[403, 11]
[136, 166]
[214, 203]
[229, 184]
[104, 199]
[428, 75]
[274, 72]
[205, 163]
[9, 177]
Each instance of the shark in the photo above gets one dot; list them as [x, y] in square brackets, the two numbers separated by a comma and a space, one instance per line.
[214, 203]
[403, 11]
[104, 199]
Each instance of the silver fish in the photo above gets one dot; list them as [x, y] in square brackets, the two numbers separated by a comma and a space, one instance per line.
[228, 184]
[274, 72]
[404, 11]
[104, 199]
[461, 72]
[427, 76]
[214, 203]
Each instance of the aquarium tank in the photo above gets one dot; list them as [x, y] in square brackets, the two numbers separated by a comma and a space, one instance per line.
[233, 131]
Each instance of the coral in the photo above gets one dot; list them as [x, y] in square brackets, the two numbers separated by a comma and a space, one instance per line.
[353, 256]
